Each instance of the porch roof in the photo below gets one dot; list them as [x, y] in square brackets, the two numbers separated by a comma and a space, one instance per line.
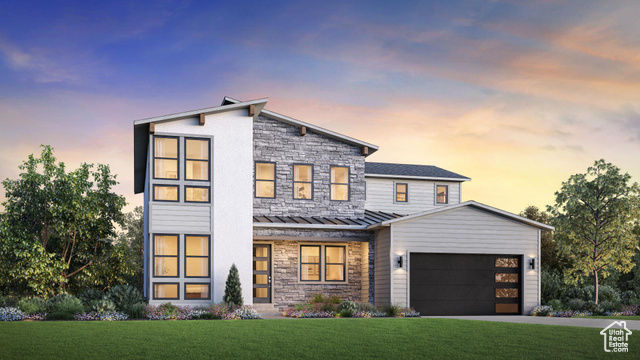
[337, 223]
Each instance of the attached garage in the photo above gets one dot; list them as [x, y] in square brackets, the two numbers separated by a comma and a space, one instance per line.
[464, 259]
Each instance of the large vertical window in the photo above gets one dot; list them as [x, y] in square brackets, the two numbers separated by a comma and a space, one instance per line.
[340, 183]
[303, 182]
[442, 194]
[265, 180]
[165, 157]
[165, 193]
[165, 255]
[166, 291]
[334, 263]
[402, 192]
[196, 159]
[310, 263]
[196, 256]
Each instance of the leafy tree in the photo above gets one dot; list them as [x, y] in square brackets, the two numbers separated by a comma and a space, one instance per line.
[550, 259]
[594, 216]
[66, 220]
[232, 289]
[132, 238]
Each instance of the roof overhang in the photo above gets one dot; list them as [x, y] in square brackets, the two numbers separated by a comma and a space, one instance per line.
[472, 204]
[141, 133]
[308, 226]
[408, 177]
[310, 127]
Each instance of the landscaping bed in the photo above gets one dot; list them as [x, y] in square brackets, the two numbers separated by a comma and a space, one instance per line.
[321, 306]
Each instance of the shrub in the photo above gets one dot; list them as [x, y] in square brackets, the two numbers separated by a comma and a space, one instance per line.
[136, 311]
[348, 305]
[541, 311]
[303, 306]
[88, 296]
[409, 312]
[242, 313]
[101, 316]
[103, 305]
[392, 310]
[168, 311]
[232, 288]
[335, 300]
[7, 301]
[630, 310]
[555, 304]
[324, 306]
[346, 313]
[552, 285]
[605, 293]
[124, 296]
[367, 307]
[308, 313]
[592, 307]
[318, 298]
[575, 304]
[628, 296]
[609, 306]
[63, 307]
[575, 292]
[11, 314]
[32, 306]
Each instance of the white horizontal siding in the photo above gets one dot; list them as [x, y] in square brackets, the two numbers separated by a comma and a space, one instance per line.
[382, 271]
[182, 219]
[466, 231]
[381, 195]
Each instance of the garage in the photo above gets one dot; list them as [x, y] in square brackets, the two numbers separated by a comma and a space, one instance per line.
[465, 284]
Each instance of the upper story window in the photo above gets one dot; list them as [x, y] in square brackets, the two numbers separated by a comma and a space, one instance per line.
[265, 180]
[402, 192]
[197, 159]
[303, 182]
[442, 194]
[165, 157]
[198, 194]
[340, 183]
[165, 193]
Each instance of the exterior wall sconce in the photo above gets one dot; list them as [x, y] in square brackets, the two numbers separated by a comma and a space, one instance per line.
[400, 262]
[532, 264]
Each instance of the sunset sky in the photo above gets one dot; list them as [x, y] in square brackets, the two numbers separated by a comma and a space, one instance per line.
[517, 95]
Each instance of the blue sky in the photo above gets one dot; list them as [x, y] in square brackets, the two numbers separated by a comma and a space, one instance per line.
[516, 95]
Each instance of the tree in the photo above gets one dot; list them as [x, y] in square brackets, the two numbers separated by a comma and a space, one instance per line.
[68, 216]
[594, 216]
[132, 238]
[232, 289]
[550, 258]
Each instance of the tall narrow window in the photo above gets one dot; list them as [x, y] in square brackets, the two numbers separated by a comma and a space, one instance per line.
[196, 194]
[165, 255]
[165, 193]
[165, 157]
[340, 183]
[197, 159]
[402, 192]
[442, 194]
[196, 256]
[265, 180]
[310, 263]
[334, 263]
[303, 182]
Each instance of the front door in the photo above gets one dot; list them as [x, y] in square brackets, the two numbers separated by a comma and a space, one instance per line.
[261, 273]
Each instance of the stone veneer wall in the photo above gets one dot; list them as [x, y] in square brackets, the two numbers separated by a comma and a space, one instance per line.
[274, 141]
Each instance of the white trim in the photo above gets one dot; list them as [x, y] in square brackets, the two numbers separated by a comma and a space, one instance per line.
[416, 177]
[466, 203]
[212, 110]
[309, 226]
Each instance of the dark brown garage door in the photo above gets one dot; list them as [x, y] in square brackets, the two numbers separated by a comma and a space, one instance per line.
[455, 284]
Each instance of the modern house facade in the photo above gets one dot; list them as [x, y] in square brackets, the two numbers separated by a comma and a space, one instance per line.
[299, 210]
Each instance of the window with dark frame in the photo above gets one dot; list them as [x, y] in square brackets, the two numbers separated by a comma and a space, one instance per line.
[303, 182]
[197, 194]
[335, 263]
[339, 183]
[442, 194]
[165, 157]
[165, 193]
[309, 262]
[196, 257]
[402, 192]
[166, 291]
[197, 159]
[265, 179]
[197, 291]
[165, 255]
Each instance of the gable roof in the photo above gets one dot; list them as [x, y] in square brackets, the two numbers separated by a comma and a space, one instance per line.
[141, 134]
[472, 204]
[310, 127]
[425, 172]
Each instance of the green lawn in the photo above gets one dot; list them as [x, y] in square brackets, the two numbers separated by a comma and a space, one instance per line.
[301, 338]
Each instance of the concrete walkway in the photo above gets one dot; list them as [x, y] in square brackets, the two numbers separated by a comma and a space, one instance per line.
[580, 322]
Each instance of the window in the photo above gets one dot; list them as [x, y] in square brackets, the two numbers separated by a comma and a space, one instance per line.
[196, 194]
[442, 193]
[340, 183]
[265, 180]
[334, 263]
[165, 157]
[196, 291]
[310, 263]
[303, 182]
[506, 277]
[165, 255]
[196, 256]
[506, 293]
[166, 291]
[197, 159]
[402, 192]
[165, 193]
[506, 262]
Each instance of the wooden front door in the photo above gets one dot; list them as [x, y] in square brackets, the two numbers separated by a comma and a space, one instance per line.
[261, 273]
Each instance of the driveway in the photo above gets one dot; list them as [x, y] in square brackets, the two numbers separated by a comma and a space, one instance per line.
[580, 322]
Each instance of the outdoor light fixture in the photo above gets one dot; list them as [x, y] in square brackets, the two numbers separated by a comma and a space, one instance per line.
[533, 264]
[400, 262]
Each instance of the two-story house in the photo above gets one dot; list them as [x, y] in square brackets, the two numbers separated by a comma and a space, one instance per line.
[299, 211]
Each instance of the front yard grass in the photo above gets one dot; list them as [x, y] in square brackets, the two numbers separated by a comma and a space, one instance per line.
[301, 338]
